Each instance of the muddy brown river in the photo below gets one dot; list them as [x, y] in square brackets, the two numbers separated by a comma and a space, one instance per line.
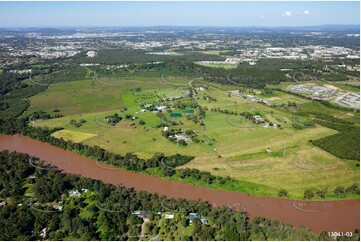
[335, 216]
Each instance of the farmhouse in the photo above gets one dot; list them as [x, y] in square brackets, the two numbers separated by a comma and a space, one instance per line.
[169, 216]
[43, 232]
[182, 137]
[193, 216]
[257, 119]
[160, 108]
[197, 216]
[74, 193]
[141, 214]
[204, 221]
[253, 98]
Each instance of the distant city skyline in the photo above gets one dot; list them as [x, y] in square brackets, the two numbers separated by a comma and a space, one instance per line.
[134, 14]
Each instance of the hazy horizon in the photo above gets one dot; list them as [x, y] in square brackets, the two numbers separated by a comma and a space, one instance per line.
[177, 14]
[178, 26]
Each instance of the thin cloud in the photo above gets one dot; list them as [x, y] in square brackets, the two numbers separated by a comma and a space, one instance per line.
[287, 13]
[305, 12]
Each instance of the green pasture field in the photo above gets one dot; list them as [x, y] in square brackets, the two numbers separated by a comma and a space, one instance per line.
[279, 98]
[76, 97]
[278, 157]
[127, 78]
[343, 86]
[88, 96]
[177, 81]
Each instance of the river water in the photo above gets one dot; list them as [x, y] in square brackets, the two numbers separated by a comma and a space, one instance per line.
[335, 216]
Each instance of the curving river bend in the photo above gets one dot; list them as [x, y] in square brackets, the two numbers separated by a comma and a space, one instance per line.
[333, 216]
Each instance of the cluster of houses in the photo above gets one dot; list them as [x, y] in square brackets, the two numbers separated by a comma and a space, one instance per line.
[303, 52]
[76, 193]
[315, 91]
[350, 100]
[258, 120]
[167, 215]
[250, 97]
[151, 107]
[27, 71]
[346, 99]
[175, 135]
[256, 99]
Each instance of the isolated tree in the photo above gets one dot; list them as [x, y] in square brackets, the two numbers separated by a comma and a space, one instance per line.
[322, 192]
[353, 189]
[283, 193]
[308, 194]
[339, 191]
[73, 122]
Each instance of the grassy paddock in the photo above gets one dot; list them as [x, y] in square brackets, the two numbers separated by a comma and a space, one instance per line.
[272, 153]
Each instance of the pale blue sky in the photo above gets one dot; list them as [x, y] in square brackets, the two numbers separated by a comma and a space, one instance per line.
[93, 14]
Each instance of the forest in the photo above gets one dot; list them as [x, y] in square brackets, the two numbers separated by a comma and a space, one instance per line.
[345, 145]
[127, 56]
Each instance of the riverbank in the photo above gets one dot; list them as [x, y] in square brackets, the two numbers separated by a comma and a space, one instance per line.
[317, 215]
